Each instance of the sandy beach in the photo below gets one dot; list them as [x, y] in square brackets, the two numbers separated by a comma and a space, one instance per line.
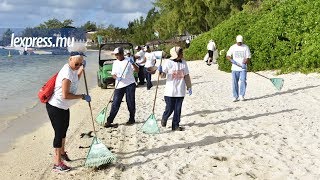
[272, 135]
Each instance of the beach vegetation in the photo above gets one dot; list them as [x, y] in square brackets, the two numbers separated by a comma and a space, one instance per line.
[281, 34]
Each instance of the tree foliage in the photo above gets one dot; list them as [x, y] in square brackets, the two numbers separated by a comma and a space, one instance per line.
[6, 37]
[281, 34]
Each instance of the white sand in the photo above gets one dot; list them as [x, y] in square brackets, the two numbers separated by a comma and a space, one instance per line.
[272, 135]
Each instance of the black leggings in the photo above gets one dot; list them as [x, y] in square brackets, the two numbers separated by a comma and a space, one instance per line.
[60, 122]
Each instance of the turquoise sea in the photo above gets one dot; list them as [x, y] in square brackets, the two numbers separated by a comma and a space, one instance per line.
[21, 76]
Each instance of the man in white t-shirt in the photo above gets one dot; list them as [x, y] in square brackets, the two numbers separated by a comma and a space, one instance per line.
[150, 62]
[139, 56]
[122, 72]
[178, 78]
[239, 55]
[211, 47]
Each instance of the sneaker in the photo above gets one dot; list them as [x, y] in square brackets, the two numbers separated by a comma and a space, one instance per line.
[61, 168]
[178, 129]
[65, 157]
[110, 125]
[130, 123]
[235, 100]
[163, 123]
[242, 98]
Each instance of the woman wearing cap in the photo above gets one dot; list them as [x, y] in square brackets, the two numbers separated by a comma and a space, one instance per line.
[150, 62]
[122, 72]
[239, 55]
[58, 106]
[177, 72]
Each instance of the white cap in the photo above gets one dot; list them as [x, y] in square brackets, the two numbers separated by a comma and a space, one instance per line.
[239, 38]
[118, 50]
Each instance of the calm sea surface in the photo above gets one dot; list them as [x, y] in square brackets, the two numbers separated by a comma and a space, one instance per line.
[21, 76]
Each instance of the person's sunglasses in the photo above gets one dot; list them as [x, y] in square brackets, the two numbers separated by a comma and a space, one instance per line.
[75, 53]
[78, 64]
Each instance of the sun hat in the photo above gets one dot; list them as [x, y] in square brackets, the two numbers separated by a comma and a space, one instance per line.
[174, 52]
[118, 50]
[239, 38]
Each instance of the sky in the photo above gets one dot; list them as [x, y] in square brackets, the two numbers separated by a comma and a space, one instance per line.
[30, 13]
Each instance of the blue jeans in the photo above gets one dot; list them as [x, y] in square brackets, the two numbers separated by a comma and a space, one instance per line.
[173, 104]
[148, 78]
[236, 76]
[130, 92]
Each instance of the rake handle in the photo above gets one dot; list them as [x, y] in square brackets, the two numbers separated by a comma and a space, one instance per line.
[256, 73]
[155, 95]
[261, 75]
[86, 85]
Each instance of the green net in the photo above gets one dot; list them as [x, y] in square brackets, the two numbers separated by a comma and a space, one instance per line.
[277, 82]
[150, 126]
[101, 118]
[98, 154]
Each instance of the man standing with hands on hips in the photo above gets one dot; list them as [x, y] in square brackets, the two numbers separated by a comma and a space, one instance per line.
[239, 55]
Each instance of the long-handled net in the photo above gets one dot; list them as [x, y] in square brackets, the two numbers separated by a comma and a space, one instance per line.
[151, 126]
[101, 118]
[98, 154]
[277, 82]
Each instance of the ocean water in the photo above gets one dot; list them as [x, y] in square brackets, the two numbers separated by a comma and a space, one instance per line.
[21, 77]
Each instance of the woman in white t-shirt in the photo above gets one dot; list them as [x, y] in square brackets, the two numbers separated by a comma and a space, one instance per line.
[150, 62]
[58, 106]
[178, 78]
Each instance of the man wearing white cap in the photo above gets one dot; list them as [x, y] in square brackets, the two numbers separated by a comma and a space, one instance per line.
[178, 80]
[122, 72]
[239, 55]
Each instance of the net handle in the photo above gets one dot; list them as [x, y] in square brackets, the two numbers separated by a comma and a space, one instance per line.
[155, 95]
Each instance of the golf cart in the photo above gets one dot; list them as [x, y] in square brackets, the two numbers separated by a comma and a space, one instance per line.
[104, 76]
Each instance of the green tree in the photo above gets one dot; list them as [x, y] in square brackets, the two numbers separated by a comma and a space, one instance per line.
[6, 37]
[89, 26]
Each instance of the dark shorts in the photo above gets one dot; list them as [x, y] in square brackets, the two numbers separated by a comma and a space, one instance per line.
[210, 53]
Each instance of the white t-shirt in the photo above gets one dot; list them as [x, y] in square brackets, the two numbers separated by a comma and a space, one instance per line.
[239, 54]
[211, 46]
[118, 68]
[150, 59]
[65, 73]
[141, 58]
[175, 83]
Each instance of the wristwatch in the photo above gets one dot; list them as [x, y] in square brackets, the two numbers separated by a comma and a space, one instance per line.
[83, 96]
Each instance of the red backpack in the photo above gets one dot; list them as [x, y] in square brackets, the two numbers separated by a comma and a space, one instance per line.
[47, 89]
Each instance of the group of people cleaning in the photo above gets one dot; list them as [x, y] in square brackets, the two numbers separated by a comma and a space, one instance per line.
[178, 84]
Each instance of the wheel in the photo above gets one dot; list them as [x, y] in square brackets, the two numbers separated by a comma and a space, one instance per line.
[99, 81]
[104, 86]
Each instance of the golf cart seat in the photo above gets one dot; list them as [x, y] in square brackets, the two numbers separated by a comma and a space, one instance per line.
[106, 62]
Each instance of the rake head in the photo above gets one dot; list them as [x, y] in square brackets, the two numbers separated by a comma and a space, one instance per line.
[150, 126]
[98, 154]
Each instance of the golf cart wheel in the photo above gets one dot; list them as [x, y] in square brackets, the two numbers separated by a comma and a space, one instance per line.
[104, 86]
[99, 81]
